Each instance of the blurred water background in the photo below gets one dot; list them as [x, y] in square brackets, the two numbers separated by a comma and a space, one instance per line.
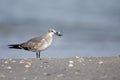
[89, 27]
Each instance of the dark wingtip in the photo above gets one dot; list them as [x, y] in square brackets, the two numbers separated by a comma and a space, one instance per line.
[15, 46]
[9, 45]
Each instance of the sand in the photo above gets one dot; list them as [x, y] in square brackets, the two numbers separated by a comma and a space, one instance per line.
[78, 68]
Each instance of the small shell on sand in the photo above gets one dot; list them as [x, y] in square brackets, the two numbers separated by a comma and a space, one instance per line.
[22, 61]
[71, 62]
[100, 62]
[81, 59]
[70, 65]
[13, 61]
[10, 59]
[27, 66]
[6, 62]
[9, 67]
[27, 63]
[60, 75]
[2, 76]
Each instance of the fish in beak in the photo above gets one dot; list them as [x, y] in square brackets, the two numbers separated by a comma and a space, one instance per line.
[58, 33]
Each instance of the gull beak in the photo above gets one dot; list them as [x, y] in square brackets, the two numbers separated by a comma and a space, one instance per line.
[58, 33]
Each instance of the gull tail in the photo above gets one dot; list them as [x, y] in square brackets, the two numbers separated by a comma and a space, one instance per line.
[15, 46]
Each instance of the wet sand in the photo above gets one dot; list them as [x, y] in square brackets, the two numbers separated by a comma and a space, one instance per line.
[78, 68]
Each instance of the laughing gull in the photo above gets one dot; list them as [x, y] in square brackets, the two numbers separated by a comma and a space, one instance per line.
[37, 44]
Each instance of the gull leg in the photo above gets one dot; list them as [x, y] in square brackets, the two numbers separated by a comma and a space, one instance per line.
[39, 55]
[36, 54]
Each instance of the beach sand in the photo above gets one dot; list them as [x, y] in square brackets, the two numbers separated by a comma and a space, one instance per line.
[78, 68]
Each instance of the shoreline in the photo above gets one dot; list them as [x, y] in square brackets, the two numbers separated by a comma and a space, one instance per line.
[84, 68]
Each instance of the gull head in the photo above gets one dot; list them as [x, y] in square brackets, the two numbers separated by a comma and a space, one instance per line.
[52, 32]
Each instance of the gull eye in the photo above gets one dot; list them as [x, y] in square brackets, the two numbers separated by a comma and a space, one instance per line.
[52, 31]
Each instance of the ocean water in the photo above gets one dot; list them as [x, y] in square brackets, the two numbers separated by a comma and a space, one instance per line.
[89, 28]
[74, 42]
